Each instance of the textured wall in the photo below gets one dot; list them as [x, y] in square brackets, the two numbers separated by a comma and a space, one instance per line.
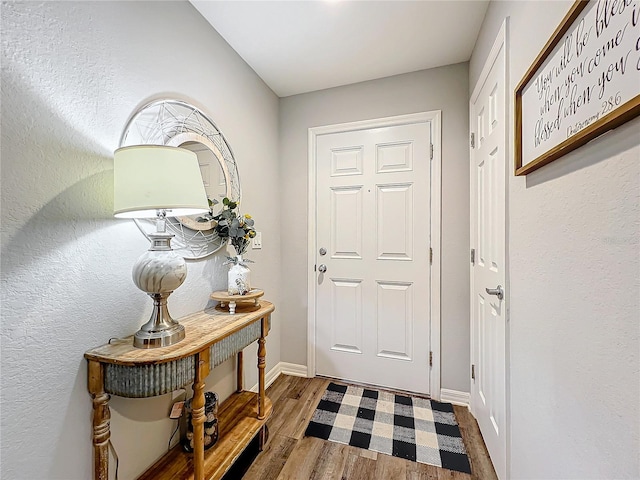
[574, 230]
[72, 74]
[443, 89]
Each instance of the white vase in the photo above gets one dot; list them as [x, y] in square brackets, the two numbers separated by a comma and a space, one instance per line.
[239, 278]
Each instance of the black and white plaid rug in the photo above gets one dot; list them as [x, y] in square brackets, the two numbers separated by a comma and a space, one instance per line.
[417, 429]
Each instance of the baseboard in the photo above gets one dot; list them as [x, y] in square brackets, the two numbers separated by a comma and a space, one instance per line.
[283, 367]
[293, 369]
[454, 396]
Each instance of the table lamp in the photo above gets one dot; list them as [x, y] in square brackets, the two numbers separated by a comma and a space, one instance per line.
[153, 181]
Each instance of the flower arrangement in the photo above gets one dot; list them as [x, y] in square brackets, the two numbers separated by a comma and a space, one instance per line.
[238, 229]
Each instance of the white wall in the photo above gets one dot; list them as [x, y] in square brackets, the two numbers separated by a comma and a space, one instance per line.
[72, 74]
[575, 288]
[436, 89]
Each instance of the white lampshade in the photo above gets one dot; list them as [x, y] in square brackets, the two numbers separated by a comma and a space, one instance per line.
[148, 178]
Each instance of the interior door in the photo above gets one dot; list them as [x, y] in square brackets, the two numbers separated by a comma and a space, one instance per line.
[372, 233]
[488, 273]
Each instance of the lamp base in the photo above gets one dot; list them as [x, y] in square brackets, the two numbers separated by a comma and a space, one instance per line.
[163, 338]
[161, 330]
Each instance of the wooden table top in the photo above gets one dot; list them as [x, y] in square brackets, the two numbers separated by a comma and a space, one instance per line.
[203, 329]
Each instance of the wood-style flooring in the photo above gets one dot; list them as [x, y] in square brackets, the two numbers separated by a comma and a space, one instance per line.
[292, 456]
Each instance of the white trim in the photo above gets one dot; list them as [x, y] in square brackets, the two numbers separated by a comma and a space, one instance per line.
[455, 396]
[501, 44]
[293, 369]
[435, 235]
[311, 254]
[435, 120]
[285, 368]
[507, 281]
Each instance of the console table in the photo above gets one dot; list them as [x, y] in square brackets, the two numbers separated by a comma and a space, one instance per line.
[212, 336]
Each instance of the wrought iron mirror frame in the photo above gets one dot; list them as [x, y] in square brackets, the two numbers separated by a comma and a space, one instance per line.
[174, 122]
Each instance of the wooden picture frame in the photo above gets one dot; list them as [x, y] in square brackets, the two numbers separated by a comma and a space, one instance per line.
[594, 52]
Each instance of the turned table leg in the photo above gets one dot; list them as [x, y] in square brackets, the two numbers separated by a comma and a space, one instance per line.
[198, 414]
[263, 437]
[262, 363]
[239, 372]
[232, 307]
[101, 417]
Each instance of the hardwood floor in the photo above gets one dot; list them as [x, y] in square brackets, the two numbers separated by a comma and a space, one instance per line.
[289, 455]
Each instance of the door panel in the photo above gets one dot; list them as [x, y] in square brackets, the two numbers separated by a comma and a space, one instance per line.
[373, 207]
[395, 320]
[394, 157]
[346, 161]
[346, 225]
[394, 222]
[346, 321]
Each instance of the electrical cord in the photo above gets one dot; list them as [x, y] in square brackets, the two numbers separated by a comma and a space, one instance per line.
[174, 432]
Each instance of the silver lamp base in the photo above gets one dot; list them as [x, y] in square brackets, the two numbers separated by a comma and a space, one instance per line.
[164, 338]
[161, 330]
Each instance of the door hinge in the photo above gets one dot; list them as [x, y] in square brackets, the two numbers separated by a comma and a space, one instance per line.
[473, 140]
[431, 359]
[473, 256]
[431, 152]
[430, 256]
[473, 372]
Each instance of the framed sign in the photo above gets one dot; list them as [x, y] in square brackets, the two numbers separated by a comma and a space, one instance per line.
[585, 81]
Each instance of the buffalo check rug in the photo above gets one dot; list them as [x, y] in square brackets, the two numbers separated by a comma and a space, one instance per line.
[413, 428]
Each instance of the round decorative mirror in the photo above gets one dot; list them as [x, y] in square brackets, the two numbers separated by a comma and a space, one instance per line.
[178, 124]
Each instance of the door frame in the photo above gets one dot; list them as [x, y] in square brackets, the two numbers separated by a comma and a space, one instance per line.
[501, 44]
[435, 121]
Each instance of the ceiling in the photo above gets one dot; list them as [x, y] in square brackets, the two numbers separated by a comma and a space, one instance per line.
[302, 46]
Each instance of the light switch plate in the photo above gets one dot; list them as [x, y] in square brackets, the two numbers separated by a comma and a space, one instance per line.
[256, 242]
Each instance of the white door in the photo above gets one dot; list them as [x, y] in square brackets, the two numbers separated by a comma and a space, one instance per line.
[488, 309]
[373, 221]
